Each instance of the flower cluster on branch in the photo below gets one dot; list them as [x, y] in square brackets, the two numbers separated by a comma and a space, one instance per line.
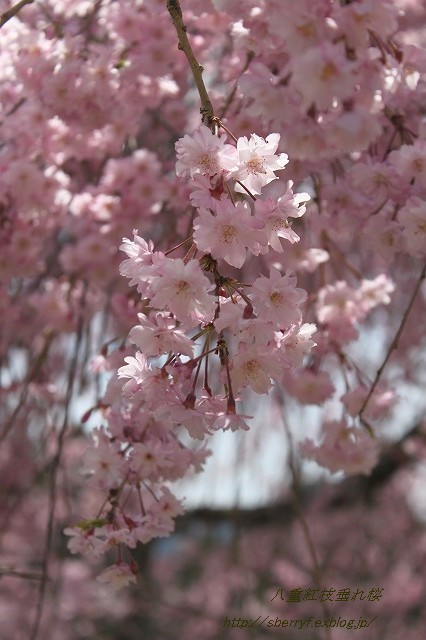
[259, 261]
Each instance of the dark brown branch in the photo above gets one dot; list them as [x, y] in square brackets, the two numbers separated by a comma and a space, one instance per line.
[206, 110]
[13, 11]
[25, 575]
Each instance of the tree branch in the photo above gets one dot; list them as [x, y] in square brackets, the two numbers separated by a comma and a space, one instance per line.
[206, 110]
[13, 11]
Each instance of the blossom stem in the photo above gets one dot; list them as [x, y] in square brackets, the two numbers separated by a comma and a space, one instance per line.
[229, 285]
[222, 126]
[166, 253]
[190, 254]
[231, 197]
[247, 191]
[206, 368]
[143, 512]
[200, 360]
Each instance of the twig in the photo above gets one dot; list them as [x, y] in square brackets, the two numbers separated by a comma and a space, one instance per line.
[393, 346]
[206, 110]
[13, 11]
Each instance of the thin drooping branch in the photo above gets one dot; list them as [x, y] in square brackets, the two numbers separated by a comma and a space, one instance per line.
[206, 110]
[229, 100]
[31, 376]
[316, 570]
[393, 346]
[13, 11]
[54, 472]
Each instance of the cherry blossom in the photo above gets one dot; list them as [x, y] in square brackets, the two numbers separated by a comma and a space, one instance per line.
[205, 153]
[257, 162]
[160, 336]
[118, 575]
[228, 231]
[323, 73]
[343, 448]
[298, 343]
[277, 299]
[183, 289]
[309, 387]
[254, 368]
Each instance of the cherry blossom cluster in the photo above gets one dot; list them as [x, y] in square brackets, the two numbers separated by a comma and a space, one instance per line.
[203, 338]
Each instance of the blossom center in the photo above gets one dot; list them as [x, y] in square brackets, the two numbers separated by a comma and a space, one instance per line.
[251, 369]
[228, 233]
[278, 223]
[255, 165]
[208, 162]
[418, 165]
[276, 298]
[328, 71]
[182, 287]
[307, 29]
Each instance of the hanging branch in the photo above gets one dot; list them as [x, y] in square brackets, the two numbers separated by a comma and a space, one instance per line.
[206, 110]
[393, 346]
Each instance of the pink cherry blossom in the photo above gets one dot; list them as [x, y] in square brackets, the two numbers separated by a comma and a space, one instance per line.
[277, 299]
[228, 231]
[323, 73]
[379, 405]
[136, 369]
[409, 162]
[118, 575]
[204, 153]
[337, 302]
[372, 293]
[141, 260]
[309, 387]
[296, 343]
[104, 462]
[257, 162]
[232, 421]
[184, 290]
[254, 368]
[85, 541]
[343, 448]
[160, 336]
